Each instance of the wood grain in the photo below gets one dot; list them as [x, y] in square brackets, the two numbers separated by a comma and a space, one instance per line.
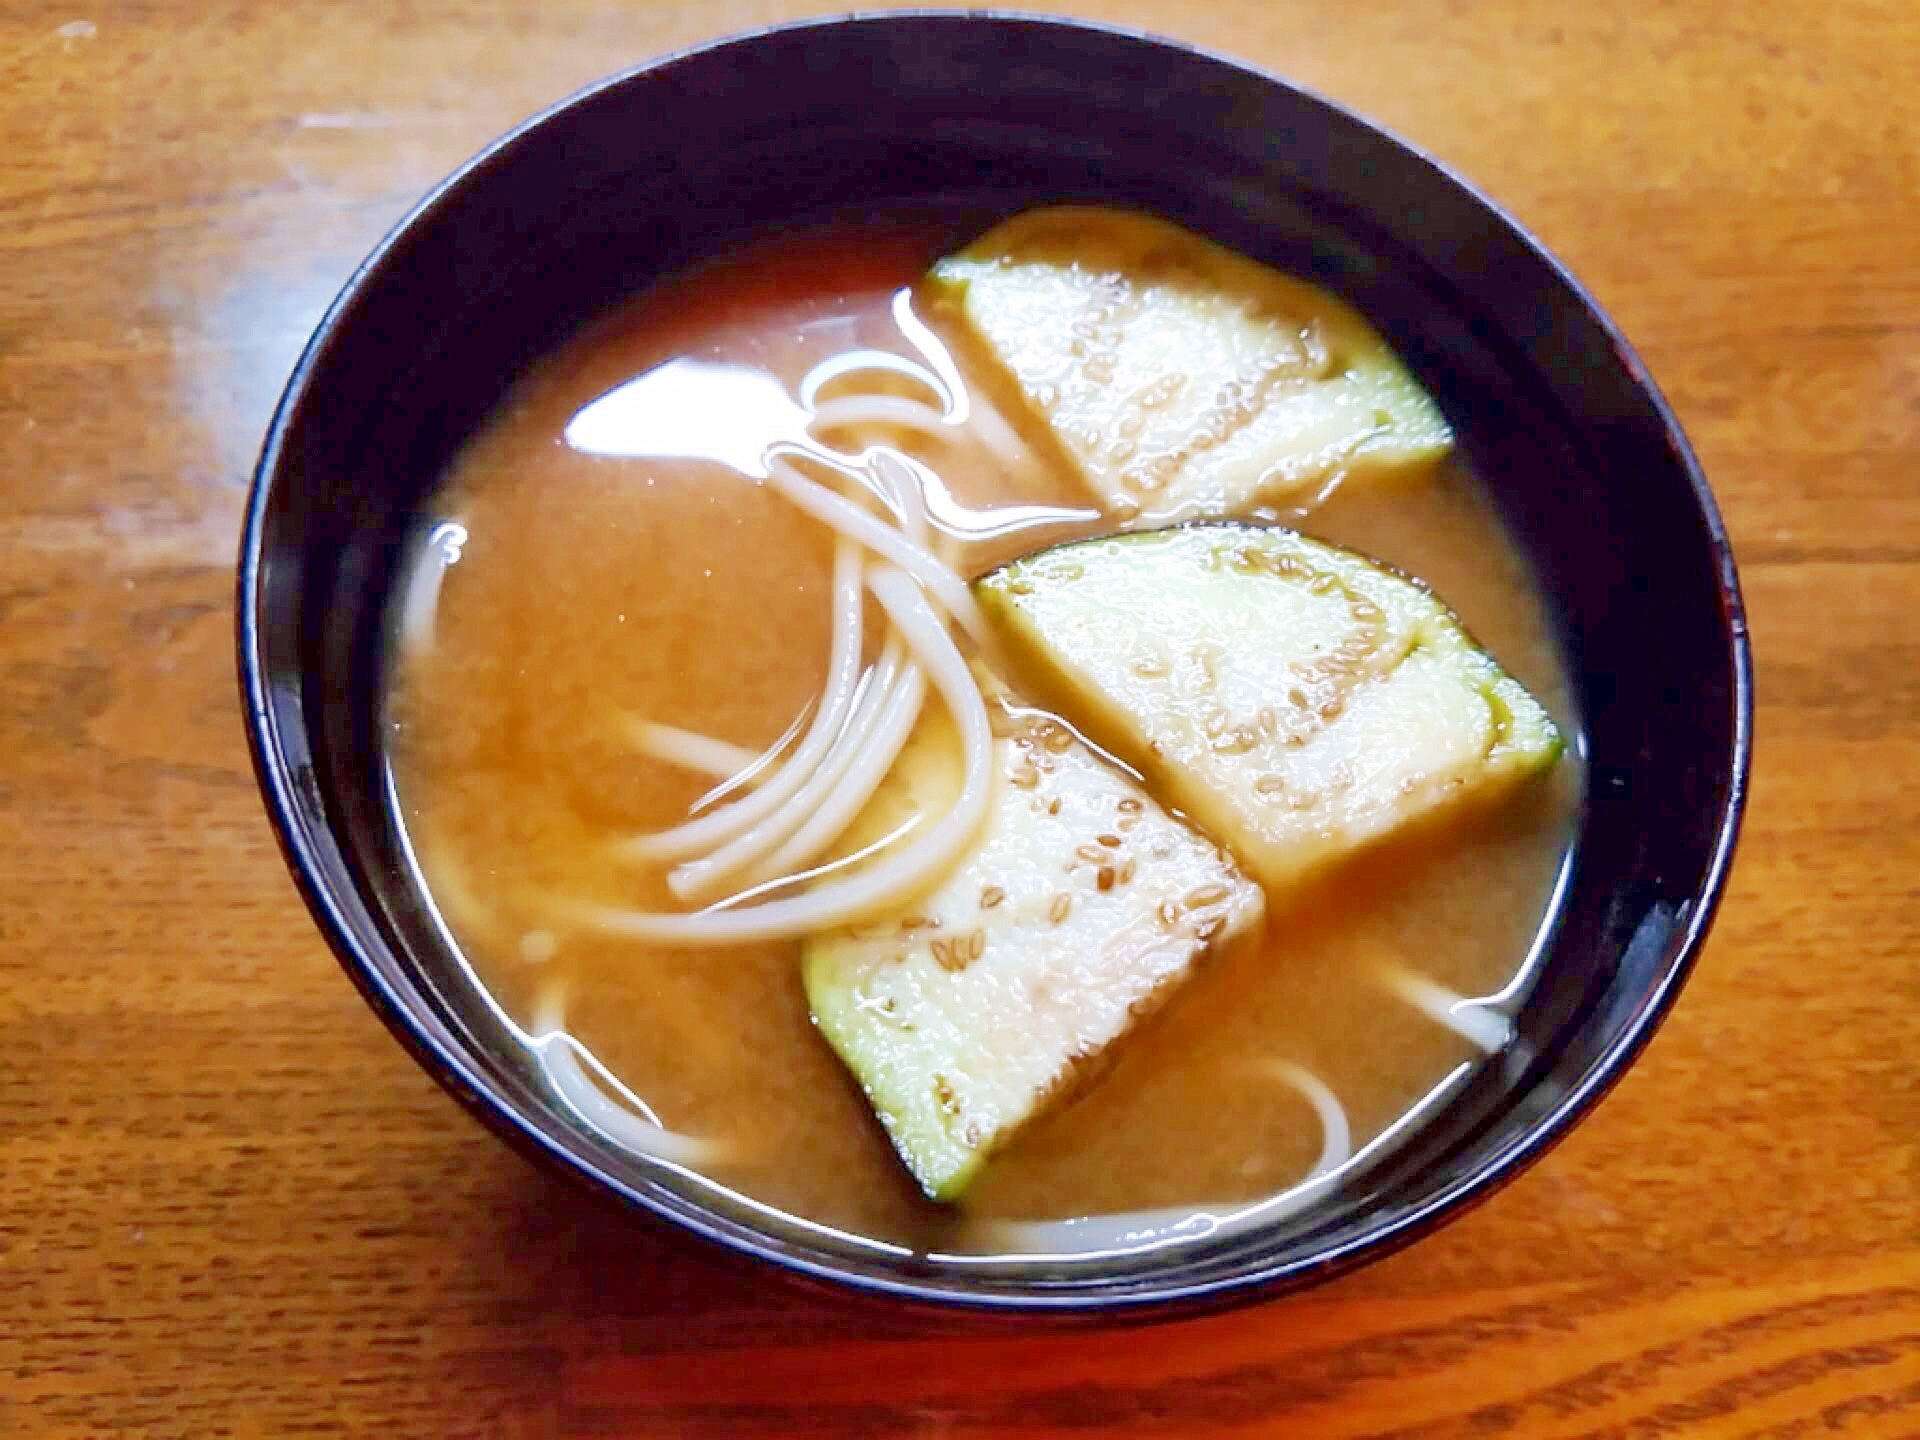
[229, 1205]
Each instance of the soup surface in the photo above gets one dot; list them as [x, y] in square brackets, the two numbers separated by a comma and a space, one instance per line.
[594, 590]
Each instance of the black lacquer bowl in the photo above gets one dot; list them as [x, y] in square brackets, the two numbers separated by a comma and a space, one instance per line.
[669, 164]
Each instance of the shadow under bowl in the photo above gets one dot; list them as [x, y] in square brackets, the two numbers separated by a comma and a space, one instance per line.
[982, 115]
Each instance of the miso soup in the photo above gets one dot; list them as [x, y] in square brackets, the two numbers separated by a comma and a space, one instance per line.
[948, 746]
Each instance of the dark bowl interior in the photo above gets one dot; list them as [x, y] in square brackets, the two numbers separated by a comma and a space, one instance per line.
[671, 163]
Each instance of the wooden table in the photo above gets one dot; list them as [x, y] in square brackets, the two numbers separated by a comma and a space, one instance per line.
[229, 1205]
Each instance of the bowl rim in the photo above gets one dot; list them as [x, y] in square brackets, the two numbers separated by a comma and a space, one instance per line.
[953, 1292]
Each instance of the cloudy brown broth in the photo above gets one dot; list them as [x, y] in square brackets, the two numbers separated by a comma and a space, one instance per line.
[592, 591]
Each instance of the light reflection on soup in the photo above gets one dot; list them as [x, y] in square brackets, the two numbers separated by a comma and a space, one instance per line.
[594, 590]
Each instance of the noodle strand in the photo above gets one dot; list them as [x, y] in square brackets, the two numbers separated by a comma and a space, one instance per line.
[843, 676]
[835, 813]
[863, 362]
[1479, 1025]
[420, 600]
[883, 410]
[632, 1126]
[891, 878]
[752, 774]
[698, 878]
[702, 754]
[833, 509]
[1336, 1135]
[1132, 1230]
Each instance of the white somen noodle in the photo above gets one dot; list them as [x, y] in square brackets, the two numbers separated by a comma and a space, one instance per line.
[780, 816]
[627, 1121]
[702, 754]
[1138, 1229]
[1336, 1135]
[762, 763]
[843, 676]
[958, 398]
[420, 599]
[699, 878]
[882, 412]
[814, 383]
[886, 542]
[896, 474]
[838, 810]
[1478, 1024]
[892, 876]
[816, 813]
